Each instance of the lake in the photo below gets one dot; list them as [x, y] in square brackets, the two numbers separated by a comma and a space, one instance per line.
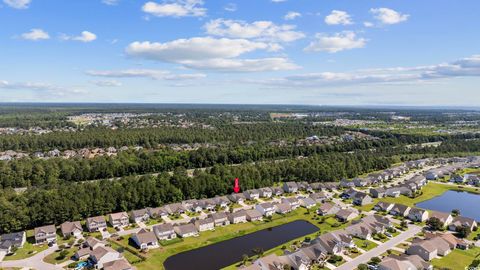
[225, 253]
[467, 203]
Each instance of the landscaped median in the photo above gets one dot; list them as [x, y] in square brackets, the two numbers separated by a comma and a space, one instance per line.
[156, 257]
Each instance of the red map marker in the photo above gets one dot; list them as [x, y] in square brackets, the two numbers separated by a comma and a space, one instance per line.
[236, 187]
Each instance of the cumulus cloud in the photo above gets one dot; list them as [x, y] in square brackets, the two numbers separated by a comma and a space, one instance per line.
[35, 34]
[107, 83]
[345, 40]
[261, 30]
[388, 16]
[210, 53]
[338, 17]
[145, 73]
[465, 67]
[292, 15]
[18, 4]
[176, 8]
[85, 36]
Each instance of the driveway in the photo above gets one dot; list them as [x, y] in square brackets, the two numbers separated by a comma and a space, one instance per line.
[2, 255]
[375, 252]
[35, 262]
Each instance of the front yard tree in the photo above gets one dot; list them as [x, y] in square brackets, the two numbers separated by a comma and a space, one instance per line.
[434, 224]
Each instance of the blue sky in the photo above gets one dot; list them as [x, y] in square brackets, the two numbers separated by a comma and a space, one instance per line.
[325, 52]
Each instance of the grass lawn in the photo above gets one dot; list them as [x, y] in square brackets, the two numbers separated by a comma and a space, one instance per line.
[28, 250]
[457, 259]
[55, 258]
[155, 258]
[131, 258]
[364, 244]
[367, 207]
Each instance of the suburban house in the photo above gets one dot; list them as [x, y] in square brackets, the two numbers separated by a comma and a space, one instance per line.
[157, 212]
[12, 240]
[186, 230]
[145, 239]
[139, 215]
[206, 224]
[403, 262]
[344, 183]
[71, 229]
[103, 254]
[95, 224]
[348, 194]
[237, 217]
[361, 182]
[334, 242]
[266, 192]
[290, 187]
[236, 197]
[205, 204]
[383, 206]
[460, 221]
[328, 209]
[293, 202]
[418, 215]
[432, 175]
[164, 231]
[45, 234]
[318, 197]
[399, 210]
[298, 259]
[253, 215]
[283, 208]
[175, 208]
[277, 191]
[222, 201]
[120, 264]
[220, 219]
[392, 192]
[457, 179]
[445, 218]
[120, 219]
[346, 214]
[377, 192]
[430, 248]
[270, 262]
[361, 198]
[252, 194]
[307, 202]
[266, 209]
[368, 226]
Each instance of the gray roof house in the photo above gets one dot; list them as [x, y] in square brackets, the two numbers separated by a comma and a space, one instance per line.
[252, 194]
[290, 187]
[205, 224]
[266, 209]
[157, 212]
[10, 240]
[417, 214]
[346, 215]
[253, 215]
[145, 239]
[236, 197]
[293, 202]
[45, 234]
[186, 230]
[400, 210]
[237, 217]
[445, 218]
[377, 192]
[119, 219]
[383, 206]
[266, 192]
[97, 223]
[361, 198]
[164, 231]
[459, 221]
[220, 218]
[319, 197]
[283, 208]
[71, 229]
[328, 209]
[307, 202]
[139, 215]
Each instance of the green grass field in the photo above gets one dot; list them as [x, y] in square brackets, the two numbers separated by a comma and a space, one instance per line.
[457, 259]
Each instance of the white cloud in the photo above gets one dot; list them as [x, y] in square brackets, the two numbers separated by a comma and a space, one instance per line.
[41, 88]
[292, 15]
[388, 16]
[85, 36]
[35, 34]
[368, 24]
[345, 40]
[110, 2]
[210, 54]
[338, 17]
[278, 1]
[176, 8]
[466, 67]
[261, 30]
[232, 7]
[244, 65]
[18, 4]
[107, 83]
[145, 73]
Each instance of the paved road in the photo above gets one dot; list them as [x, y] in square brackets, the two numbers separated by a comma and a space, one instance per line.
[365, 257]
[35, 262]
